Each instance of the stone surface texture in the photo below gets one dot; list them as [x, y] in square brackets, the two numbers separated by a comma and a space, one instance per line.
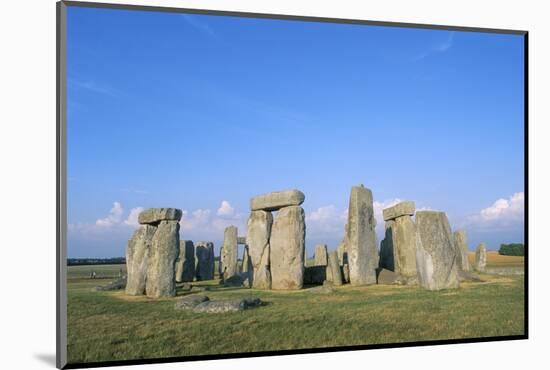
[361, 242]
[229, 253]
[161, 279]
[321, 255]
[403, 238]
[481, 257]
[277, 200]
[185, 263]
[287, 248]
[461, 245]
[335, 269]
[155, 215]
[398, 210]
[204, 259]
[257, 240]
[190, 301]
[137, 257]
[232, 305]
[436, 259]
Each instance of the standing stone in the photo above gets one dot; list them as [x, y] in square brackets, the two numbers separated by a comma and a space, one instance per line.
[436, 260]
[229, 253]
[161, 279]
[288, 248]
[321, 258]
[481, 257]
[361, 238]
[137, 257]
[185, 263]
[404, 246]
[334, 267]
[461, 245]
[277, 200]
[257, 239]
[204, 259]
[398, 250]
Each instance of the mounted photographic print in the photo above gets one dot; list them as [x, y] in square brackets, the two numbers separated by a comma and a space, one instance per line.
[236, 185]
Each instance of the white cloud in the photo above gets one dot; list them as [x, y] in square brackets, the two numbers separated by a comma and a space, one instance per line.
[511, 208]
[114, 216]
[326, 221]
[132, 219]
[329, 222]
[225, 209]
[503, 214]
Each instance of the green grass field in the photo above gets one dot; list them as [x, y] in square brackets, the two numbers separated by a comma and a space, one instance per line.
[105, 326]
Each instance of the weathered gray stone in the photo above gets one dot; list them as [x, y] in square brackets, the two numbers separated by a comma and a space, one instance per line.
[288, 248]
[387, 277]
[315, 274]
[461, 245]
[323, 289]
[345, 273]
[403, 239]
[468, 276]
[185, 263]
[137, 257]
[277, 200]
[161, 279]
[229, 253]
[334, 268]
[398, 210]
[114, 285]
[361, 238]
[436, 260]
[190, 301]
[481, 257]
[155, 215]
[321, 255]
[241, 240]
[204, 259]
[223, 306]
[257, 240]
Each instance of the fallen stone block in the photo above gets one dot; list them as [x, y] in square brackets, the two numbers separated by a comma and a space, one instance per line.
[190, 301]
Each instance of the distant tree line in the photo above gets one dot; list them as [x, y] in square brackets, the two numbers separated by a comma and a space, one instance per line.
[512, 249]
[96, 261]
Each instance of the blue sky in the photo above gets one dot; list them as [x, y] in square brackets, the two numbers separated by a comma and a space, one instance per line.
[202, 112]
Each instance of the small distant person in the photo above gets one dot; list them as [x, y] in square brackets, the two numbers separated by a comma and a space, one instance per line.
[120, 273]
[93, 275]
